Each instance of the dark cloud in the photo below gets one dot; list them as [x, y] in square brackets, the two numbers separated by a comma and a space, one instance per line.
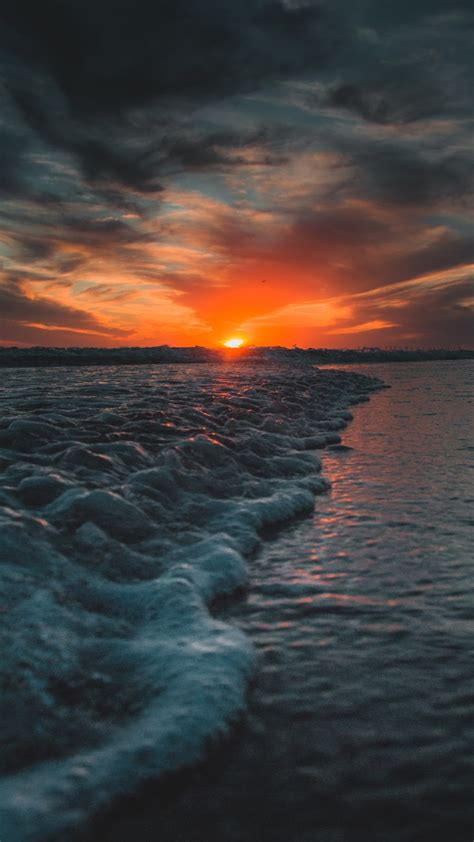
[94, 65]
[36, 249]
[108, 83]
[413, 177]
[362, 250]
[410, 69]
[18, 307]
[83, 238]
[351, 248]
[221, 149]
[96, 232]
[19, 333]
[12, 147]
[65, 264]
[119, 53]
[446, 313]
[108, 107]
[430, 310]
[102, 156]
[387, 16]
[390, 100]
[444, 251]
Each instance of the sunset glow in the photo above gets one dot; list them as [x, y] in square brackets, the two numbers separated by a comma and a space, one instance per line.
[224, 224]
[281, 191]
[234, 343]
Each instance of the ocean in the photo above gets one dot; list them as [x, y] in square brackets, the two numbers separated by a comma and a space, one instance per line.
[183, 592]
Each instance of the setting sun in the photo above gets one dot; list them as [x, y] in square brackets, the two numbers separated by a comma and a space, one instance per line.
[233, 343]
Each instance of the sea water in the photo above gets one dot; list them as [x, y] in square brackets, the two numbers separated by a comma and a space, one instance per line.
[131, 498]
[360, 719]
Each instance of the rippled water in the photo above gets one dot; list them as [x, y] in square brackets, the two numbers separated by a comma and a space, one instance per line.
[130, 499]
[360, 722]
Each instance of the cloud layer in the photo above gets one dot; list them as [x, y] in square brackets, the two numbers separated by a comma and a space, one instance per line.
[177, 171]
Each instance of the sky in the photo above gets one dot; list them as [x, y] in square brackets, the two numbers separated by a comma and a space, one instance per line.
[184, 171]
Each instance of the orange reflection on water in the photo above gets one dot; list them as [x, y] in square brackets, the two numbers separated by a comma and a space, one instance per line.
[311, 577]
[359, 600]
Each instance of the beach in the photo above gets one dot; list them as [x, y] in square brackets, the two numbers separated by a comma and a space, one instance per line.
[359, 717]
[236, 415]
[131, 500]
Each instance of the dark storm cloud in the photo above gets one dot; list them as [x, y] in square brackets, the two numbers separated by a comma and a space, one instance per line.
[117, 53]
[109, 107]
[393, 100]
[92, 64]
[387, 16]
[102, 156]
[101, 232]
[84, 75]
[414, 68]
[406, 175]
[12, 147]
[85, 236]
[186, 152]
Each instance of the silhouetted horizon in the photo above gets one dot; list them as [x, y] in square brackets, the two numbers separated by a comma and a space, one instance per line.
[162, 354]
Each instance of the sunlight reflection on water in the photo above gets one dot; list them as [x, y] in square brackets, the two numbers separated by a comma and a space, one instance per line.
[390, 694]
[373, 670]
[360, 722]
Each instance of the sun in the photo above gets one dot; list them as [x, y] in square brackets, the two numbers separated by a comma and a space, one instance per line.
[234, 342]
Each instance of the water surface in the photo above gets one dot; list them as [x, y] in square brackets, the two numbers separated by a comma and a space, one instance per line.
[360, 720]
[131, 498]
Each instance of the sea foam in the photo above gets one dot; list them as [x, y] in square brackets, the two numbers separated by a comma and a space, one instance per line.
[130, 499]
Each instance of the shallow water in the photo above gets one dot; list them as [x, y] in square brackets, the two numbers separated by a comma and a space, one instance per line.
[360, 721]
[130, 499]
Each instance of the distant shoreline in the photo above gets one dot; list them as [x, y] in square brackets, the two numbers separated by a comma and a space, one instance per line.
[13, 357]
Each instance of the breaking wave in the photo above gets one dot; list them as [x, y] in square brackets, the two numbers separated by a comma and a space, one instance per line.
[130, 499]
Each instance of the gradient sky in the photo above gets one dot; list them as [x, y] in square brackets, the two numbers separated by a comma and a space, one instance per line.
[181, 171]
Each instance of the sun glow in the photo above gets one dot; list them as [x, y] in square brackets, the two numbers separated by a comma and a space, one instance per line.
[234, 343]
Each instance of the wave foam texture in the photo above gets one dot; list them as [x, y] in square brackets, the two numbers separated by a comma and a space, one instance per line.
[130, 500]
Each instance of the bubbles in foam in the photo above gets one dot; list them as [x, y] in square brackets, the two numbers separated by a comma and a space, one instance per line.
[129, 501]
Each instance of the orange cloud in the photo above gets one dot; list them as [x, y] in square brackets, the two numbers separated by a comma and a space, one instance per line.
[376, 324]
